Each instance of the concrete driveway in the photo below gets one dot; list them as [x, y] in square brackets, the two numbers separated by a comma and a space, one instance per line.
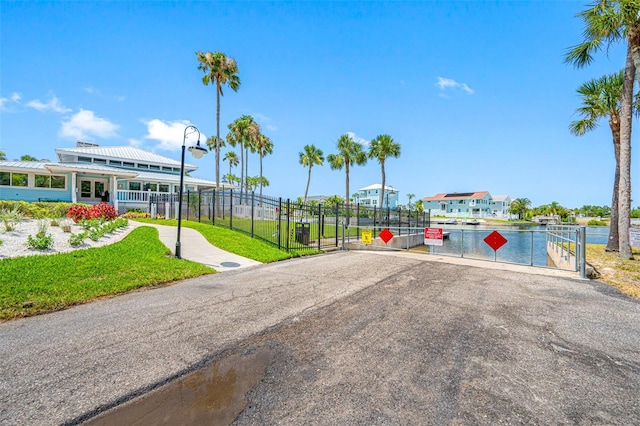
[344, 338]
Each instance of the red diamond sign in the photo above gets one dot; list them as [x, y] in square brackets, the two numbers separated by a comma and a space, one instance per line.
[386, 235]
[495, 240]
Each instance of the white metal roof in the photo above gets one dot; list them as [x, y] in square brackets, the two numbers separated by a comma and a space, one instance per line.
[87, 167]
[124, 153]
[499, 198]
[377, 186]
[164, 177]
[37, 165]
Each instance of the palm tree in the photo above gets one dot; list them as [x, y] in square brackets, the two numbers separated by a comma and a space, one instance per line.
[232, 158]
[3, 156]
[310, 156]
[381, 147]
[607, 22]
[264, 146]
[601, 99]
[28, 157]
[349, 153]
[219, 70]
[410, 197]
[520, 206]
[419, 206]
[241, 132]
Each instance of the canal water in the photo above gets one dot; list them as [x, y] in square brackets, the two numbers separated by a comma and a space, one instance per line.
[525, 245]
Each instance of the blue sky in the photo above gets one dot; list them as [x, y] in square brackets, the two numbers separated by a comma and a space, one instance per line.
[476, 93]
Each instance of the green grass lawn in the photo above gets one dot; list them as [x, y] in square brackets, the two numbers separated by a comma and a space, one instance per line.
[36, 284]
[236, 242]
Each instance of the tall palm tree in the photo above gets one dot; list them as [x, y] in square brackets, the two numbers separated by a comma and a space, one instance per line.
[232, 158]
[601, 99]
[607, 22]
[219, 70]
[310, 156]
[349, 153]
[242, 132]
[264, 146]
[382, 147]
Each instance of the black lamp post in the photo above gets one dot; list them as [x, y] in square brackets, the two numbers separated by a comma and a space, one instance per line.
[197, 151]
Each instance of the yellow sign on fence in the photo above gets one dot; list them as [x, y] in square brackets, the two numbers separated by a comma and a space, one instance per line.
[366, 236]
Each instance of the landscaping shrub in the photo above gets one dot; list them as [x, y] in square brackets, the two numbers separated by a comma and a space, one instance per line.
[39, 209]
[103, 210]
[77, 239]
[10, 217]
[78, 212]
[594, 222]
[40, 241]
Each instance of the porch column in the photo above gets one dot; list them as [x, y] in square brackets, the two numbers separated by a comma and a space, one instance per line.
[114, 192]
[74, 187]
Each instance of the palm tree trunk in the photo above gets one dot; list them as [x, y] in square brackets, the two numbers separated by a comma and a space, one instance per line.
[246, 171]
[261, 176]
[216, 202]
[306, 191]
[384, 178]
[613, 244]
[624, 189]
[241, 170]
[346, 168]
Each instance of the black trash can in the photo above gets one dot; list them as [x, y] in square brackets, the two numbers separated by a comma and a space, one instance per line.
[303, 231]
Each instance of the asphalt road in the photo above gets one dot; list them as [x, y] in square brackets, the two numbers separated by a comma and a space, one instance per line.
[344, 338]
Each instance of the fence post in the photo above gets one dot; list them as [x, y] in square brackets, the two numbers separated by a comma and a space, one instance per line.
[253, 199]
[279, 222]
[213, 207]
[358, 222]
[199, 205]
[320, 223]
[188, 200]
[336, 223]
[288, 222]
[582, 233]
[231, 211]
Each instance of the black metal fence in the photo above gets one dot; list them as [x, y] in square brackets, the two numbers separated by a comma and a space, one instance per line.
[288, 225]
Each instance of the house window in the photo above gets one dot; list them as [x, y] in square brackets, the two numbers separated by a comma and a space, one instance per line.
[151, 186]
[126, 164]
[115, 163]
[84, 159]
[143, 166]
[152, 167]
[58, 182]
[100, 161]
[48, 181]
[42, 181]
[19, 179]
[164, 188]
[5, 178]
[134, 186]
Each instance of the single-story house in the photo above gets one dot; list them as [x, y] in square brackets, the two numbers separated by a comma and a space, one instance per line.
[124, 176]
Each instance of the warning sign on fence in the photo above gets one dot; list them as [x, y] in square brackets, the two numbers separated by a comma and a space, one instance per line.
[433, 236]
[366, 236]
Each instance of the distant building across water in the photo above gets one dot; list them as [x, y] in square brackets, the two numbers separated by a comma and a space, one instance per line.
[468, 204]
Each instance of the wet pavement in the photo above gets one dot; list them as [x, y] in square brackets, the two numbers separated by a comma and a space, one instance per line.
[345, 338]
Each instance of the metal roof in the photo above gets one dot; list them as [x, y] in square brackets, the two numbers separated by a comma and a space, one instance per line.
[124, 153]
[377, 186]
[83, 167]
[38, 165]
[164, 177]
[457, 196]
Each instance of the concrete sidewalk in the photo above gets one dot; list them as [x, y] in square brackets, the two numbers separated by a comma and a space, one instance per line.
[197, 249]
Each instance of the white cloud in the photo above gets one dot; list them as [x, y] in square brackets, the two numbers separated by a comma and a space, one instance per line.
[7, 104]
[361, 141]
[85, 124]
[53, 105]
[170, 134]
[448, 83]
[135, 142]
[265, 121]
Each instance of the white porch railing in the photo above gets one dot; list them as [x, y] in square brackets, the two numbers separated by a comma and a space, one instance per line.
[124, 196]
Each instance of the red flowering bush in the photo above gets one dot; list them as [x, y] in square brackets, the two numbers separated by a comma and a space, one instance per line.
[78, 212]
[103, 210]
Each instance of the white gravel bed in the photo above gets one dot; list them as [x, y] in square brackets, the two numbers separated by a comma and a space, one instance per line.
[14, 242]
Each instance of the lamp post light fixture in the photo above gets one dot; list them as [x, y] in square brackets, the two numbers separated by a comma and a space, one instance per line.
[197, 151]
